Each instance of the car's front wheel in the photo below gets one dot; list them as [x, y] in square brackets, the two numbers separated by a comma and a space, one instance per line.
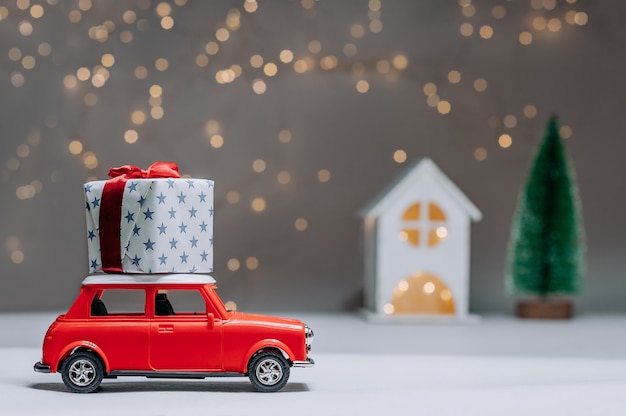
[268, 372]
[82, 372]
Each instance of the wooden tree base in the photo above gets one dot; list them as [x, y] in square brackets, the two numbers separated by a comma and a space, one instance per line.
[544, 309]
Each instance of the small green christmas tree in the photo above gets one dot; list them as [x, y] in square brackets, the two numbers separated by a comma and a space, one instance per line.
[546, 251]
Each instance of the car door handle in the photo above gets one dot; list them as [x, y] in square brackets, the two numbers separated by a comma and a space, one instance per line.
[166, 329]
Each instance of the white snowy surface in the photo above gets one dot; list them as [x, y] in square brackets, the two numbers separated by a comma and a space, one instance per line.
[500, 366]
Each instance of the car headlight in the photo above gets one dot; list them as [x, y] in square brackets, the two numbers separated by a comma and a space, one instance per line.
[308, 337]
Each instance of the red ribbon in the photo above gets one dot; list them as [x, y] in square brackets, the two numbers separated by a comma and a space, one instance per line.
[111, 208]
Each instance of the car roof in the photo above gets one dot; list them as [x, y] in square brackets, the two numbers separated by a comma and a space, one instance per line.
[143, 279]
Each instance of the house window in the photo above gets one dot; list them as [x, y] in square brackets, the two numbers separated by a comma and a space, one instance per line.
[421, 293]
[423, 224]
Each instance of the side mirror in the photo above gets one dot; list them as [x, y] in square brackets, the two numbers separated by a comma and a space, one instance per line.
[211, 320]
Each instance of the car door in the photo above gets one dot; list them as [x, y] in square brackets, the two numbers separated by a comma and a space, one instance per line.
[183, 336]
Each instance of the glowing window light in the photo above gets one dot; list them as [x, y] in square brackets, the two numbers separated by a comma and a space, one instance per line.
[75, 147]
[486, 32]
[466, 29]
[323, 175]
[480, 154]
[286, 56]
[505, 141]
[399, 156]
[233, 265]
[167, 22]
[258, 204]
[301, 224]
[131, 136]
[232, 197]
[362, 86]
[357, 31]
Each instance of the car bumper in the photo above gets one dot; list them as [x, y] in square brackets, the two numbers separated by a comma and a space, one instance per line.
[42, 368]
[308, 363]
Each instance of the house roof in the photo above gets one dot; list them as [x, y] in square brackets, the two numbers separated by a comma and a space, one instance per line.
[424, 168]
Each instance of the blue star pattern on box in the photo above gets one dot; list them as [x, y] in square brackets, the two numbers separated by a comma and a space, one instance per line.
[166, 226]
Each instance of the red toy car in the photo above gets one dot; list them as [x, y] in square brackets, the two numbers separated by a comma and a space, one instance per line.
[172, 326]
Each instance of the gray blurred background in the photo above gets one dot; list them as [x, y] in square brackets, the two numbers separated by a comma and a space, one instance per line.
[366, 89]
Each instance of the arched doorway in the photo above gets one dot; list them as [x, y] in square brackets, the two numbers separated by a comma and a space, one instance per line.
[421, 293]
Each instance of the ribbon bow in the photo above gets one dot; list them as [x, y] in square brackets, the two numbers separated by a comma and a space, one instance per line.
[111, 208]
[156, 170]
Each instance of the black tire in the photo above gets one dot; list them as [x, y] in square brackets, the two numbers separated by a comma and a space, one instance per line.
[82, 372]
[268, 372]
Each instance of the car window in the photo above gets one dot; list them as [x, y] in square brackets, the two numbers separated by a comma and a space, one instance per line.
[179, 302]
[118, 302]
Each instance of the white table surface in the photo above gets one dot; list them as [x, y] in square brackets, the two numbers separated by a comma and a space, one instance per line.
[499, 366]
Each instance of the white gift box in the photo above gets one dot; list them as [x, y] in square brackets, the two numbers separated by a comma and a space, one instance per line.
[166, 226]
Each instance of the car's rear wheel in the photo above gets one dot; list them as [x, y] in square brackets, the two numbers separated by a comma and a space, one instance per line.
[268, 372]
[82, 372]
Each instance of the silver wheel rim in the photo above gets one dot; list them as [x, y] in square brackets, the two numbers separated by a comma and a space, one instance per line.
[82, 373]
[269, 372]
